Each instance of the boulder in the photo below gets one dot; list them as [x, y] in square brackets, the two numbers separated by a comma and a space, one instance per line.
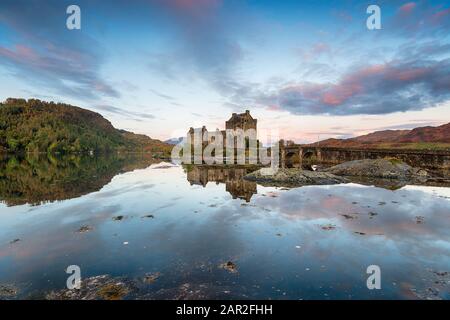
[378, 168]
[294, 177]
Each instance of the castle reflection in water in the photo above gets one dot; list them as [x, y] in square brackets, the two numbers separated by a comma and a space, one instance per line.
[231, 177]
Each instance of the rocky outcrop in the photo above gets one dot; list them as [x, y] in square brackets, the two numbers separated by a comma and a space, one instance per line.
[379, 168]
[294, 178]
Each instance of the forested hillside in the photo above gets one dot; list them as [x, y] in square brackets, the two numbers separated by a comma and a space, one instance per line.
[38, 126]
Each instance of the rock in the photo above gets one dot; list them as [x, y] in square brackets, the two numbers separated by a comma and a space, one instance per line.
[95, 288]
[118, 218]
[151, 277]
[436, 287]
[420, 219]
[294, 178]
[348, 216]
[328, 227]
[14, 241]
[229, 266]
[7, 291]
[84, 229]
[441, 273]
[164, 166]
[378, 168]
[150, 216]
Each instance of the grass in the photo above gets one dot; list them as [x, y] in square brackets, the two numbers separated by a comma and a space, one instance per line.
[394, 161]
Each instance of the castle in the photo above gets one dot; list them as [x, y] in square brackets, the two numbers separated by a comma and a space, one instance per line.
[242, 121]
[237, 121]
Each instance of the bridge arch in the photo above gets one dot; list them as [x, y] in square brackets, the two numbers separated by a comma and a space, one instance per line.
[292, 159]
[309, 156]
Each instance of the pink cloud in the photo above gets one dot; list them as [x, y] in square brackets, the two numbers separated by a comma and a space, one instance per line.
[350, 85]
[407, 7]
[273, 108]
[355, 83]
[408, 75]
[379, 83]
[340, 93]
[191, 9]
[21, 54]
[440, 15]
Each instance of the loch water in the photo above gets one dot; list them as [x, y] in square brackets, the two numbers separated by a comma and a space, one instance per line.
[137, 219]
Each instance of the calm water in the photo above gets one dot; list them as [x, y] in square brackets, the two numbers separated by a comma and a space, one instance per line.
[311, 242]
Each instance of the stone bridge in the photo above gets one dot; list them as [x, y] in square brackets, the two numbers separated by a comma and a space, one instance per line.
[299, 155]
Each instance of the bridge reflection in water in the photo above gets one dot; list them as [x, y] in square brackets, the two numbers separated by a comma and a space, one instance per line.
[231, 177]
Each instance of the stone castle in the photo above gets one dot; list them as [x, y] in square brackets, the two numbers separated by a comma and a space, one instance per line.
[242, 121]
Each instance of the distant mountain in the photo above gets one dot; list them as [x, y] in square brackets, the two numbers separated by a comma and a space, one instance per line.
[39, 126]
[174, 141]
[423, 137]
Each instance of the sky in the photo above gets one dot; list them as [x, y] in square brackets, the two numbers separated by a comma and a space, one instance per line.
[311, 69]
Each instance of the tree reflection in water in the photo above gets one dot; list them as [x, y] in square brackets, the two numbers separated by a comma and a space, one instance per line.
[40, 178]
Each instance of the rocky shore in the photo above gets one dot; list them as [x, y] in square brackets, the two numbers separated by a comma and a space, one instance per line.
[294, 177]
[371, 171]
[379, 168]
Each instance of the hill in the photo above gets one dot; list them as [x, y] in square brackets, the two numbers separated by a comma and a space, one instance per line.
[174, 141]
[418, 138]
[39, 126]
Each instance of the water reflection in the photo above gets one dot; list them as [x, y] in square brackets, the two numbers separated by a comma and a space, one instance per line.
[312, 242]
[231, 177]
[35, 179]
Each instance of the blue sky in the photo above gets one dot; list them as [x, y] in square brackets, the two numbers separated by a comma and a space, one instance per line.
[310, 68]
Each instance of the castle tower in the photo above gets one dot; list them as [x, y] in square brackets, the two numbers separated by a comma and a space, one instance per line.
[242, 121]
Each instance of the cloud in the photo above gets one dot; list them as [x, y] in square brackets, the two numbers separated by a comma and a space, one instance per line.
[377, 89]
[414, 19]
[207, 47]
[122, 112]
[45, 52]
[162, 95]
[407, 8]
[417, 77]
[410, 125]
[315, 51]
[433, 49]
[413, 81]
